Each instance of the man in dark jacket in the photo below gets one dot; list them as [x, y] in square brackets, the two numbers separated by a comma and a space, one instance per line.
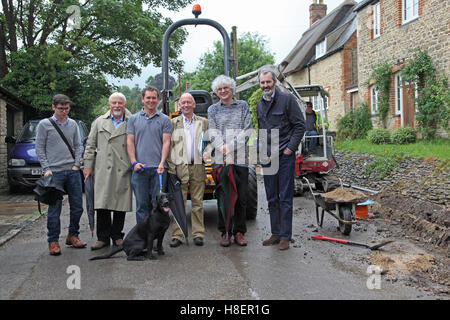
[279, 111]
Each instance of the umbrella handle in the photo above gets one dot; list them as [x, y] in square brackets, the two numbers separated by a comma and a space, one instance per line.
[321, 237]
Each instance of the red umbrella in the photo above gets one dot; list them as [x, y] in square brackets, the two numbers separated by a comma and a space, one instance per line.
[226, 191]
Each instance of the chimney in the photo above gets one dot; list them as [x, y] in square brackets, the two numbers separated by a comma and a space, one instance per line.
[317, 11]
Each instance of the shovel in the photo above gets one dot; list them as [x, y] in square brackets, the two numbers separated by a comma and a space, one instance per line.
[374, 247]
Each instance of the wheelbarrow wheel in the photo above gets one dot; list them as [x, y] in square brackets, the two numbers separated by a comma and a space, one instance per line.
[345, 213]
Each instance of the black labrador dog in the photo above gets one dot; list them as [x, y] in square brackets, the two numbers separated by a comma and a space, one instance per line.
[141, 236]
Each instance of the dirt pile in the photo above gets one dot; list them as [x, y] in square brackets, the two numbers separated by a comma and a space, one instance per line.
[428, 221]
[404, 263]
[344, 195]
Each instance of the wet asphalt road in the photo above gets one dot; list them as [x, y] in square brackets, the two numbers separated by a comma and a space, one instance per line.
[308, 270]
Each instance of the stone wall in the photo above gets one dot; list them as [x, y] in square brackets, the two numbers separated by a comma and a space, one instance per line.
[397, 42]
[327, 73]
[426, 179]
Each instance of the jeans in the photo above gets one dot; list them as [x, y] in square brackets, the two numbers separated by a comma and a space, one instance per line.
[145, 186]
[311, 142]
[280, 194]
[71, 181]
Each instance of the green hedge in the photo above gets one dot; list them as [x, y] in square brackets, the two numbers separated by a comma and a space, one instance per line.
[379, 136]
[354, 124]
[404, 135]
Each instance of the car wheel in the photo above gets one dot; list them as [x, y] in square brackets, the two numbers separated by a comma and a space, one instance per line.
[252, 200]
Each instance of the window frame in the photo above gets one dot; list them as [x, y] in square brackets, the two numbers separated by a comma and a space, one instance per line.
[410, 10]
[376, 9]
[321, 48]
[374, 100]
[398, 94]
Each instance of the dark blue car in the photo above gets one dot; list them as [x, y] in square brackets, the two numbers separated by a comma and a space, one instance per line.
[24, 168]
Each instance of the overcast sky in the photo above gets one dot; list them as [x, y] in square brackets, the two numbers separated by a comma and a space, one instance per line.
[281, 22]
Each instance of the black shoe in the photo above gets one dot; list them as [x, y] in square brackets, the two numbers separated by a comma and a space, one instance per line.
[175, 243]
[198, 241]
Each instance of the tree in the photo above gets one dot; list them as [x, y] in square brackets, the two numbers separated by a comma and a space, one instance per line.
[252, 54]
[56, 46]
[134, 102]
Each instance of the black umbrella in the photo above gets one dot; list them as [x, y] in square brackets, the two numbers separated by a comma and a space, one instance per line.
[177, 203]
[89, 193]
[48, 191]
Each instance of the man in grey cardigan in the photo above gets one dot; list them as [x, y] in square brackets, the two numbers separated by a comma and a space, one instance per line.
[56, 159]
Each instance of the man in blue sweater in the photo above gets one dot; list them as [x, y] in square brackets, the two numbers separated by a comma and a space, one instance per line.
[279, 111]
[56, 159]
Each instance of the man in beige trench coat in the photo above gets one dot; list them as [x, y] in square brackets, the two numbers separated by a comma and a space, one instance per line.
[106, 158]
[185, 160]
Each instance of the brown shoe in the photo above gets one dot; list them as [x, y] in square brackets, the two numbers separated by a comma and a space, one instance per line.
[271, 241]
[99, 245]
[284, 244]
[54, 248]
[239, 239]
[75, 242]
[226, 240]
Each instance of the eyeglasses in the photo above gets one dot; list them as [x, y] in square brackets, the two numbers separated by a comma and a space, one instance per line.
[62, 109]
[224, 88]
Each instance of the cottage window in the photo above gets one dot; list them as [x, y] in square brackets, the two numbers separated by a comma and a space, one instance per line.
[410, 10]
[376, 20]
[374, 94]
[321, 48]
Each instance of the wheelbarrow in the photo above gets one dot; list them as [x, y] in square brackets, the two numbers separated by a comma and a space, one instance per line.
[345, 209]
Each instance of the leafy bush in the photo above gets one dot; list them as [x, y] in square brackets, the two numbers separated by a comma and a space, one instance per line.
[355, 124]
[433, 102]
[379, 136]
[383, 165]
[404, 135]
[252, 101]
[382, 75]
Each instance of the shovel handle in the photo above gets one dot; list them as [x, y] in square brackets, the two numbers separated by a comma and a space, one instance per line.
[321, 237]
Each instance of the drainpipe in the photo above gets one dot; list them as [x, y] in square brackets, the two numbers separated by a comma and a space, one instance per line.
[309, 74]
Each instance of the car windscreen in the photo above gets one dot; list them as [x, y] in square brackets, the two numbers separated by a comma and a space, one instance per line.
[28, 132]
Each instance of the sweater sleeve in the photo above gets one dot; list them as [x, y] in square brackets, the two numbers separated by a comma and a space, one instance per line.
[41, 140]
[77, 146]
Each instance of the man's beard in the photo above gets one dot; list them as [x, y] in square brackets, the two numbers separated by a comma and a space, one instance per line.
[117, 113]
[268, 91]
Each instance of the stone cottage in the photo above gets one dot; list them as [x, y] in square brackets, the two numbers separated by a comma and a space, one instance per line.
[326, 55]
[390, 31]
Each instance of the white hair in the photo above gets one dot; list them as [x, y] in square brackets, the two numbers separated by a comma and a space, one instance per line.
[223, 79]
[117, 95]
